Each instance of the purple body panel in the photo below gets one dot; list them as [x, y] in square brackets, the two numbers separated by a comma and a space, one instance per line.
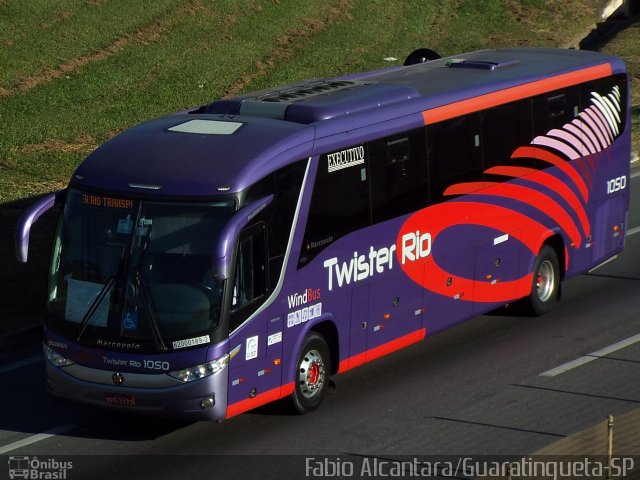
[181, 164]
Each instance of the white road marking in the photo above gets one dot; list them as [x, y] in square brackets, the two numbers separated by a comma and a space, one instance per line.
[591, 356]
[635, 174]
[21, 363]
[36, 438]
[633, 231]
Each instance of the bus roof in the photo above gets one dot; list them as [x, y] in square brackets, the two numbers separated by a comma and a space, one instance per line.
[229, 144]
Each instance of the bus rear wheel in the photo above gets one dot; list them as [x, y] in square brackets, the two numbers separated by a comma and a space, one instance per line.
[546, 282]
[312, 374]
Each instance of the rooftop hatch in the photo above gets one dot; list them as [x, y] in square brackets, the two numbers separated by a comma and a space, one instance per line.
[206, 127]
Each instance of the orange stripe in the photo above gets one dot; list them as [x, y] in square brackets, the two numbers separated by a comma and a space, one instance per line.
[507, 95]
[382, 350]
[466, 188]
[510, 171]
[261, 399]
[539, 153]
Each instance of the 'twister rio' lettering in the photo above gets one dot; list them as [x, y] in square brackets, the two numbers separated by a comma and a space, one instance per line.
[360, 266]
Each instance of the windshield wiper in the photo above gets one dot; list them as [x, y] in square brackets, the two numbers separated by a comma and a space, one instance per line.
[100, 297]
[94, 306]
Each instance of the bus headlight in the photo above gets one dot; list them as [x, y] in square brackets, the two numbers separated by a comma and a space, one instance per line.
[201, 371]
[55, 358]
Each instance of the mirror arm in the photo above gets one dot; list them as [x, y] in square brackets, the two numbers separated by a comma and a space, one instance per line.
[29, 217]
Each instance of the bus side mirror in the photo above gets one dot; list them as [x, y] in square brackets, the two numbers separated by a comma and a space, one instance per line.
[223, 250]
[29, 217]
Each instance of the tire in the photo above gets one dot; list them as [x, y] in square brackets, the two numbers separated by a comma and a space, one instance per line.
[546, 282]
[421, 55]
[312, 374]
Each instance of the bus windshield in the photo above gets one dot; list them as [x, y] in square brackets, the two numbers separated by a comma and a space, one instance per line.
[135, 273]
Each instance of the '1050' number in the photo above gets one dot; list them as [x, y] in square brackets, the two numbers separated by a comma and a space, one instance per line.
[616, 184]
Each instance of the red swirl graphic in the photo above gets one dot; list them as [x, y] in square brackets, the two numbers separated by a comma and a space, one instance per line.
[426, 271]
[573, 142]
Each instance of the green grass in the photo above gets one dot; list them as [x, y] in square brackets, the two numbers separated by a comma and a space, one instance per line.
[38, 34]
[75, 72]
[627, 45]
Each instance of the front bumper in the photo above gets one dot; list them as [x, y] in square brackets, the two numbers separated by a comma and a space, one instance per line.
[160, 396]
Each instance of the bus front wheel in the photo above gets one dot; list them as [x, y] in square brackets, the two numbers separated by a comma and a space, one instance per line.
[312, 374]
[546, 282]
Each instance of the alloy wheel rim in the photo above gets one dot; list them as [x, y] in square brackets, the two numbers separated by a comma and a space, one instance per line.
[545, 281]
[311, 374]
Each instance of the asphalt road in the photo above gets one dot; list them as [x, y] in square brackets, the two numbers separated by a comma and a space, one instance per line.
[477, 389]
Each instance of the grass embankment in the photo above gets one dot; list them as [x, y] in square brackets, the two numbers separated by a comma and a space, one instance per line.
[626, 44]
[72, 74]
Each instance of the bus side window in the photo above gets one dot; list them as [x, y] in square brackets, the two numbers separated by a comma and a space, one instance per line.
[250, 279]
[454, 155]
[339, 203]
[504, 129]
[285, 185]
[398, 175]
[554, 109]
[604, 87]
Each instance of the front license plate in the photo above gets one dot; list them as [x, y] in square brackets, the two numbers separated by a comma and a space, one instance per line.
[120, 400]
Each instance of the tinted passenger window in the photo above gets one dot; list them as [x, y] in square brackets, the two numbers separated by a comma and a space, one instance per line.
[285, 186]
[604, 87]
[554, 109]
[398, 169]
[250, 278]
[453, 149]
[340, 200]
[251, 268]
[504, 129]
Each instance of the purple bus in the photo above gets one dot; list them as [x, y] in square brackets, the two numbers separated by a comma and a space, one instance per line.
[214, 260]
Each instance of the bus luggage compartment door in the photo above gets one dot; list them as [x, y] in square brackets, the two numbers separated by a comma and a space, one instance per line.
[395, 308]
